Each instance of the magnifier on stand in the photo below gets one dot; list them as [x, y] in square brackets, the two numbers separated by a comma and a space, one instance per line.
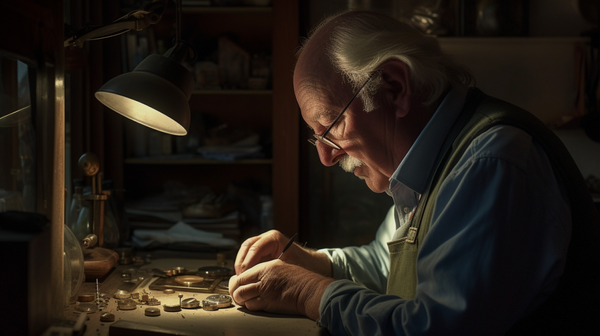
[98, 260]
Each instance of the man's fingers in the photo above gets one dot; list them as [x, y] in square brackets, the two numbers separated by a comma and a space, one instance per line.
[245, 287]
[264, 248]
[242, 252]
[247, 292]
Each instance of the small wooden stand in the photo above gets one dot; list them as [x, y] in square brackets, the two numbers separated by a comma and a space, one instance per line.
[97, 262]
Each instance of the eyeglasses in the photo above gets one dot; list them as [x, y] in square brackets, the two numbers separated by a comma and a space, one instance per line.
[322, 138]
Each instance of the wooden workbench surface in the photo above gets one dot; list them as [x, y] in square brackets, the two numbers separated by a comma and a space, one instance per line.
[231, 321]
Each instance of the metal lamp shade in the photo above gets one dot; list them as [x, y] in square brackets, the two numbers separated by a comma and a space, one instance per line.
[155, 94]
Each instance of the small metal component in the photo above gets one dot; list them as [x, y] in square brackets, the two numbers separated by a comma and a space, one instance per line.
[126, 276]
[179, 270]
[159, 273]
[135, 296]
[97, 292]
[172, 308]
[188, 280]
[107, 317]
[221, 300]
[125, 255]
[152, 311]
[180, 296]
[169, 291]
[89, 241]
[122, 294]
[153, 302]
[86, 298]
[127, 304]
[209, 306]
[190, 303]
[224, 285]
[145, 297]
[169, 272]
[213, 272]
[87, 308]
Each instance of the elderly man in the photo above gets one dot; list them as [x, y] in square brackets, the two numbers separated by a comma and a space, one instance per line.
[492, 229]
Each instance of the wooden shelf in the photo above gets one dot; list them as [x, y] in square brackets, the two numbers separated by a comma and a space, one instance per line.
[195, 161]
[271, 113]
[226, 10]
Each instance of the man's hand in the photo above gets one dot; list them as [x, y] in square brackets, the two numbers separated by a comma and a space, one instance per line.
[269, 245]
[278, 287]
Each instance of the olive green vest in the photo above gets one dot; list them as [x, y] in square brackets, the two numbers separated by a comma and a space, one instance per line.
[575, 302]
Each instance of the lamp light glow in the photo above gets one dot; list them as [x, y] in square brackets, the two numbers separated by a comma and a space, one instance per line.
[155, 94]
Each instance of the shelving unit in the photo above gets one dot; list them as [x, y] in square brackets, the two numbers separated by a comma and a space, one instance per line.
[272, 113]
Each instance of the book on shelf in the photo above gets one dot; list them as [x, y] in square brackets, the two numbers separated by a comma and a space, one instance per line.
[228, 225]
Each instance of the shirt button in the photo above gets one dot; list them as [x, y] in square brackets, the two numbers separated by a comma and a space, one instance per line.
[406, 209]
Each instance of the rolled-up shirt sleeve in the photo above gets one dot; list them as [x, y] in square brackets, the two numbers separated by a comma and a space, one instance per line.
[368, 265]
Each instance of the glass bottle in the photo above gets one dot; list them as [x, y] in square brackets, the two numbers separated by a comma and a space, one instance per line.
[84, 224]
[76, 203]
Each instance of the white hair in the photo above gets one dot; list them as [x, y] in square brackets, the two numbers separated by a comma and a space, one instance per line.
[359, 43]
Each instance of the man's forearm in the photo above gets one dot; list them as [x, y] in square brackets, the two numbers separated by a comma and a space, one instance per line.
[310, 297]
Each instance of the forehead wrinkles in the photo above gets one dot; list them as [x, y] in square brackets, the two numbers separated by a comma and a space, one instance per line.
[314, 101]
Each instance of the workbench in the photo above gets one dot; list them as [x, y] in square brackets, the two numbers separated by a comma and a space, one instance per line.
[231, 321]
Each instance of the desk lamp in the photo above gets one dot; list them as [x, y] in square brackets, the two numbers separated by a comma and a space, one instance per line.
[156, 93]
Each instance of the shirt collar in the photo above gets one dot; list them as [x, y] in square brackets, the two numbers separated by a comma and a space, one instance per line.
[416, 166]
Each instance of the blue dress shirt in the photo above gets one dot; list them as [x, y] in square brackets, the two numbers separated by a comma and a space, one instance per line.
[495, 249]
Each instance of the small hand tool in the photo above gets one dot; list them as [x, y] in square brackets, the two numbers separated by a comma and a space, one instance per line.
[288, 245]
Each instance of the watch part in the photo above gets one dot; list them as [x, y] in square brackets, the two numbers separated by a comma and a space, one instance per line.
[179, 270]
[86, 298]
[127, 304]
[188, 280]
[169, 291]
[224, 284]
[209, 306]
[190, 303]
[172, 308]
[122, 294]
[107, 317]
[214, 271]
[87, 308]
[153, 302]
[221, 300]
[152, 311]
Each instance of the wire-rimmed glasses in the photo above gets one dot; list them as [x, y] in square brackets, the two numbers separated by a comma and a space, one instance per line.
[322, 138]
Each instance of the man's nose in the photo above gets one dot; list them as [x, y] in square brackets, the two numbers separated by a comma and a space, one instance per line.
[329, 156]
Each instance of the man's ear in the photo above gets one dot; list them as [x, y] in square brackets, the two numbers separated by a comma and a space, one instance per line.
[396, 85]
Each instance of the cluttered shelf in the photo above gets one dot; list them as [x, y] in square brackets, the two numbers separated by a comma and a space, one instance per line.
[194, 161]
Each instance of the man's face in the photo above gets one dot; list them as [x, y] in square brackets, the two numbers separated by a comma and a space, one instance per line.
[365, 138]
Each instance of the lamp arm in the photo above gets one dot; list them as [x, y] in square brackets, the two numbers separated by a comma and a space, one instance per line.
[135, 20]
